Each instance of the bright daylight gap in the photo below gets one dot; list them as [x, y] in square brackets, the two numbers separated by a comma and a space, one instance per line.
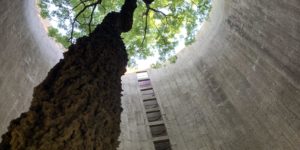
[187, 29]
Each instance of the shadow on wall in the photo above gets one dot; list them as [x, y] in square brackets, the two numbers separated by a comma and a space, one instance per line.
[26, 55]
[236, 88]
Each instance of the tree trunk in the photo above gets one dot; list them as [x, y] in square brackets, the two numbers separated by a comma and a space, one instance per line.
[78, 105]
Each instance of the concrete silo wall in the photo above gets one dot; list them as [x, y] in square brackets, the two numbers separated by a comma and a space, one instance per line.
[26, 55]
[236, 88]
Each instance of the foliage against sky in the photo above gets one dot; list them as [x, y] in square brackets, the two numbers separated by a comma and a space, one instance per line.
[166, 23]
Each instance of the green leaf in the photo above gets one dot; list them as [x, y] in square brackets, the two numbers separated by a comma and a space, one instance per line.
[163, 29]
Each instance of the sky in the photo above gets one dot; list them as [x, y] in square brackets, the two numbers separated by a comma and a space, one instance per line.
[142, 64]
[146, 63]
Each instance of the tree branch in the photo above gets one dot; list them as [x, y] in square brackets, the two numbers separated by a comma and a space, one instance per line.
[158, 11]
[147, 14]
[159, 32]
[80, 12]
[91, 18]
[146, 26]
[81, 2]
[126, 12]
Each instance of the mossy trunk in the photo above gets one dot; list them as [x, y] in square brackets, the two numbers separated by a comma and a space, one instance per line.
[78, 105]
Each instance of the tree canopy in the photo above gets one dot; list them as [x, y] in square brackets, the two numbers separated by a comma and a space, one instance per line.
[157, 28]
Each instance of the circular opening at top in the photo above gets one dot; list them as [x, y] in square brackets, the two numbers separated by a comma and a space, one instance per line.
[161, 28]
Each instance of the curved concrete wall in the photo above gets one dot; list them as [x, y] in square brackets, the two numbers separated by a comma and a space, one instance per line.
[238, 86]
[26, 55]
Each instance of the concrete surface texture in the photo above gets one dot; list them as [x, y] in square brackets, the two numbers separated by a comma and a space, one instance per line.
[236, 88]
[26, 55]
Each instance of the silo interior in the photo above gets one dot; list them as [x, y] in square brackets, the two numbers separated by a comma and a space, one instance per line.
[236, 88]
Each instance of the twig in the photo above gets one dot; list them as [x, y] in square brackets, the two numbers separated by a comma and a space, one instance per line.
[80, 12]
[158, 11]
[91, 18]
[146, 26]
[146, 21]
[159, 32]
[81, 2]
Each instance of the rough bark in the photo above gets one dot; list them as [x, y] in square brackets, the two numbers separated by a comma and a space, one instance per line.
[78, 105]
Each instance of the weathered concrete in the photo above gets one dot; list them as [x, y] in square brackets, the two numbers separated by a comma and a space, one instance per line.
[236, 88]
[78, 105]
[26, 55]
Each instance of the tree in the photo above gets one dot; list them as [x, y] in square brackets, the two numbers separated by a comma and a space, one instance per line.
[157, 28]
[78, 105]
